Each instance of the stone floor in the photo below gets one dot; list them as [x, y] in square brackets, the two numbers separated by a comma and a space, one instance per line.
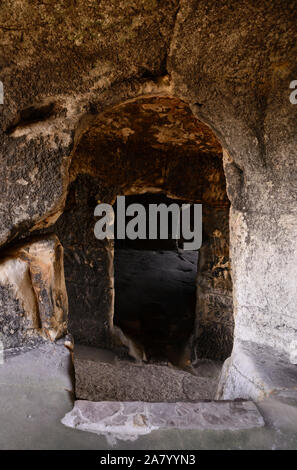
[127, 421]
[36, 393]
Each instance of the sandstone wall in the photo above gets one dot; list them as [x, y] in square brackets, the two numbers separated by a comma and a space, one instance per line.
[33, 298]
[214, 307]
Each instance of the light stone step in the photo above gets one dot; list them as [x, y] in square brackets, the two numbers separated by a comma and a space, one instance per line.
[129, 420]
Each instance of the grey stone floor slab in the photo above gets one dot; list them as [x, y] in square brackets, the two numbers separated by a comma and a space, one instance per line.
[49, 366]
[34, 398]
[129, 420]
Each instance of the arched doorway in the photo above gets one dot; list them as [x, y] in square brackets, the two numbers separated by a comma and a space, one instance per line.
[151, 145]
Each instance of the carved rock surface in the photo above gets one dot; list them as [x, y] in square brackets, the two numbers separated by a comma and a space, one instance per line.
[231, 65]
[256, 372]
[100, 376]
[33, 298]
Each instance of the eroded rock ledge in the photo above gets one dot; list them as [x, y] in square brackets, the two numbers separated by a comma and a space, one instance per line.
[34, 303]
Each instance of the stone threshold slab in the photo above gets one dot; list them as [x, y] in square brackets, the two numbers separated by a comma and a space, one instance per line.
[129, 420]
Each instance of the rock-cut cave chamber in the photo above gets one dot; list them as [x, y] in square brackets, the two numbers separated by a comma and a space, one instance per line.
[148, 300]
[181, 102]
[147, 303]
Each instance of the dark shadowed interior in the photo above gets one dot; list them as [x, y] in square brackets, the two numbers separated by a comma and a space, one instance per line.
[155, 291]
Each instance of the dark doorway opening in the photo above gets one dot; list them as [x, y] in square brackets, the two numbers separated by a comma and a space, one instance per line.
[155, 292]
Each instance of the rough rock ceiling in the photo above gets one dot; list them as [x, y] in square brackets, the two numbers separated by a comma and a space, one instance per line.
[152, 142]
[157, 122]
